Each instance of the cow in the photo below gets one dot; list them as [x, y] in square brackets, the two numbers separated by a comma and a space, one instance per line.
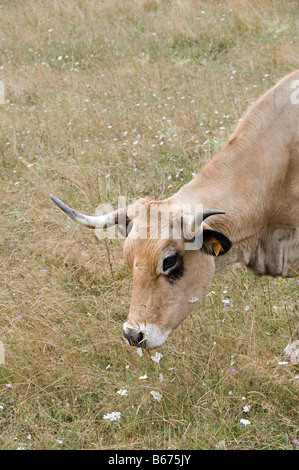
[249, 192]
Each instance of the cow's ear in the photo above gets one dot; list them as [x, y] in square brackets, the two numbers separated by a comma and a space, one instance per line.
[214, 243]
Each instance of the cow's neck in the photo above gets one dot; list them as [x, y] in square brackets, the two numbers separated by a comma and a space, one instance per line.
[254, 179]
[230, 183]
[227, 184]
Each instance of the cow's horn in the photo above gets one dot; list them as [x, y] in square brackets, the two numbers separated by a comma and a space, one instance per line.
[194, 222]
[209, 212]
[100, 221]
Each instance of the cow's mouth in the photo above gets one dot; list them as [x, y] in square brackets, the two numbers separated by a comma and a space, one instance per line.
[146, 336]
[134, 339]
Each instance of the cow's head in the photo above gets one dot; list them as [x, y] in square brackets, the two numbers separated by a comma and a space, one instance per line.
[171, 253]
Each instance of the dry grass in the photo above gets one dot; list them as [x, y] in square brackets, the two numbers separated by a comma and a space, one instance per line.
[136, 90]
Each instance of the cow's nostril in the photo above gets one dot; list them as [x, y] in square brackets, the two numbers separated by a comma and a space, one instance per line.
[135, 339]
[139, 338]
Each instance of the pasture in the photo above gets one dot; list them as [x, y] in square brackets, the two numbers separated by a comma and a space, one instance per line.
[132, 98]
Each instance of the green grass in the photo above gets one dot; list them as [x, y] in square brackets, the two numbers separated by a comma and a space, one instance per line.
[110, 98]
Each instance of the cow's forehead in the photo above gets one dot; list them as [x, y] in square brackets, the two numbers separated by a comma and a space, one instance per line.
[153, 219]
[149, 251]
[144, 207]
[151, 234]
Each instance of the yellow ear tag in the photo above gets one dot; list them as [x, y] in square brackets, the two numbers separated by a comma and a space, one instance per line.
[217, 248]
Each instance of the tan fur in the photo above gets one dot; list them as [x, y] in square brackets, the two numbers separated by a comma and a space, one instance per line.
[254, 178]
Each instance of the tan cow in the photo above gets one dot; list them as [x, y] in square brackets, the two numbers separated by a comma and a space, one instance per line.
[254, 178]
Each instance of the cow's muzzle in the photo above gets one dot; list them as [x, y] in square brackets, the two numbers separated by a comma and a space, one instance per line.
[147, 336]
[134, 337]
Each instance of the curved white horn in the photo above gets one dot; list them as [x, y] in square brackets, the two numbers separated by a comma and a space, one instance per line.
[194, 222]
[100, 221]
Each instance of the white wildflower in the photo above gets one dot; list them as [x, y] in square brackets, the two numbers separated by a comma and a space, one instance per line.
[245, 422]
[211, 293]
[139, 352]
[122, 392]
[114, 416]
[221, 445]
[156, 395]
[157, 357]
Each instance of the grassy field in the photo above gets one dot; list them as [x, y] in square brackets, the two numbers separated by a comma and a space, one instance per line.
[104, 98]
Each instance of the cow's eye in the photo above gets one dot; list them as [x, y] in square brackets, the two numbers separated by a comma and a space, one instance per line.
[169, 261]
